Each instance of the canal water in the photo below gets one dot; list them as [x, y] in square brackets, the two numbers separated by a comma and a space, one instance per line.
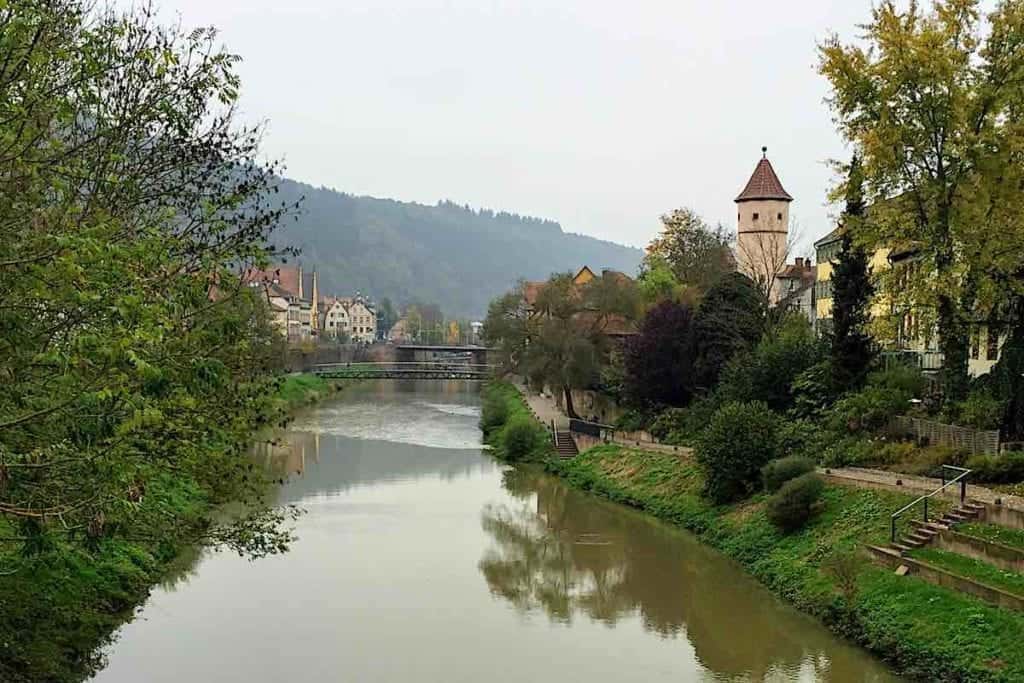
[423, 559]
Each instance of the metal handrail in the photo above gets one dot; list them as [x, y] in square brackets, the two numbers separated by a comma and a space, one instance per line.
[960, 478]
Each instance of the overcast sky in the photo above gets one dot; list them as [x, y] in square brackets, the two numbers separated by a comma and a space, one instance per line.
[601, 115]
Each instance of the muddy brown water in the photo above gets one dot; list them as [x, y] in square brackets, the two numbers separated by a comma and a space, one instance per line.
[423, 559]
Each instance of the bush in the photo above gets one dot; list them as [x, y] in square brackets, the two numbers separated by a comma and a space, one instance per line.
[632, 421]
[795, 503]
[802, 438]
[769, 371]
[812, 390]
[520, 437]
[1007, 468]
[905, 379]
[739, 440]
[667, 422]
[778, 472]
[849, 450]
[867, 410]
[980, 410]
[493, 412]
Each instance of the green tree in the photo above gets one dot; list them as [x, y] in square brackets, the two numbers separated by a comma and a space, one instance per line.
[731, 319]
[852, 348]
[931, 99]
[134, 357]
[697, 254]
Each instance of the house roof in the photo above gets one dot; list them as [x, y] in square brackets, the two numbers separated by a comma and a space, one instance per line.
[795, 272]
[763, 183]
[531, 290]
[833, 236]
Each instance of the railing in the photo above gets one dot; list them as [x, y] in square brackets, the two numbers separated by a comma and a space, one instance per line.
[961, 478]
[923, 360]
[397, 370]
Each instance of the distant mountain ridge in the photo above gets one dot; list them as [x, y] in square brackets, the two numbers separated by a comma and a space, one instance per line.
[457, 257]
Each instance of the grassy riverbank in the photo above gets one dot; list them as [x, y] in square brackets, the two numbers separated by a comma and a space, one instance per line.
[509, 428]
[57, 607]
[926, 632]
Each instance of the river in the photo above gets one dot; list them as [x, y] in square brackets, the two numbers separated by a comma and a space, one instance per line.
[423, 559]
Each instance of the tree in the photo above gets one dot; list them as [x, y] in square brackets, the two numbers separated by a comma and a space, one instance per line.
[696, 254]
[731, 319]
[505, 327]
[386, 317]
[932, 102]
[135, 357]
[852, 348]
[762, 256]
[659, 360]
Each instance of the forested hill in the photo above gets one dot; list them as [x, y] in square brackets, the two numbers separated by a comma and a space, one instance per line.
[447, 254]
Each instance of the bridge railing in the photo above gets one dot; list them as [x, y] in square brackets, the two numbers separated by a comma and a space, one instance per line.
[413, 365]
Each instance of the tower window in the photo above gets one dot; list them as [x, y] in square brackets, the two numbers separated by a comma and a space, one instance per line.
[756, 216]
[780, 215]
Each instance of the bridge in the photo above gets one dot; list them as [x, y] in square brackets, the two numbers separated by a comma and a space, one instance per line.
[434, 352]
[435, 370]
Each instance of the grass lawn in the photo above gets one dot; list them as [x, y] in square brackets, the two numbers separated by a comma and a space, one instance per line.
[979, 570]
[927, 632]
[994, 533]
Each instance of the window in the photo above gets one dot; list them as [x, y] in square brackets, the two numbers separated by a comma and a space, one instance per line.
[780, 215]
[975, 343]
[992, 345]
[756, 216]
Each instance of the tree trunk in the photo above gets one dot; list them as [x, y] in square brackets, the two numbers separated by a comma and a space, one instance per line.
[955, 346]
[569, 408]
[1010, 373]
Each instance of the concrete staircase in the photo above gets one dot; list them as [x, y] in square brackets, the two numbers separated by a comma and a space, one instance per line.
[923, 533]
[564, 444]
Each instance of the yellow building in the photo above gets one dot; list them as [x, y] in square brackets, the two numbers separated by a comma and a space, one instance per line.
[898, 328]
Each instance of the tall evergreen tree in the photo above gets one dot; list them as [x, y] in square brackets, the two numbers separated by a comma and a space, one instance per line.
[852, 349]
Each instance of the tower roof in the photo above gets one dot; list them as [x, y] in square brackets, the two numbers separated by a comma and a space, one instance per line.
[764, 184]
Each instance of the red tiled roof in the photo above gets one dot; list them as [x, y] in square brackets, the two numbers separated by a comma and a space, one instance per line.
[764, 184]
[531, 290]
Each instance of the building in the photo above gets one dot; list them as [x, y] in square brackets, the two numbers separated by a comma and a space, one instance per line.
[900, 329]
[762, 227]
[334, 318]
[362, 320]
[614, 326]
[292, 296]
[795, 288]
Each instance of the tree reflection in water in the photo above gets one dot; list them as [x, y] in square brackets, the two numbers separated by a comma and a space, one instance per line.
[569, 554]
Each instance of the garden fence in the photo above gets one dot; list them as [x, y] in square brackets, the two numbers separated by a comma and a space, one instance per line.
[939, 434]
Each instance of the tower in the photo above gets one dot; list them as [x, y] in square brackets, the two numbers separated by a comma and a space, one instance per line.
[762, 225]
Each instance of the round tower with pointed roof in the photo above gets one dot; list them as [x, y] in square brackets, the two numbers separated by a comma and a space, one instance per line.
[762, 223]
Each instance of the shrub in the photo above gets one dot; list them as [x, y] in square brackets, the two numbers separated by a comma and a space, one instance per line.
[667, 422]
[812, 390]
[867, 410]
[493, 412]
[903, 378]
[778, 472]
[520, 437]
[802, 438]
[849, 450]
[845, 567]
[1007, 468]
[768, 372]
[739, 440]
[980, 410]
[795, 503]
[632, 421]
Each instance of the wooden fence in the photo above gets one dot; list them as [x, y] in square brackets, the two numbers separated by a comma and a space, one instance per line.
[939, 434]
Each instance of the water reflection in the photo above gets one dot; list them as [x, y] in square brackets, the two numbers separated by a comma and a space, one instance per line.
[564, 553]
